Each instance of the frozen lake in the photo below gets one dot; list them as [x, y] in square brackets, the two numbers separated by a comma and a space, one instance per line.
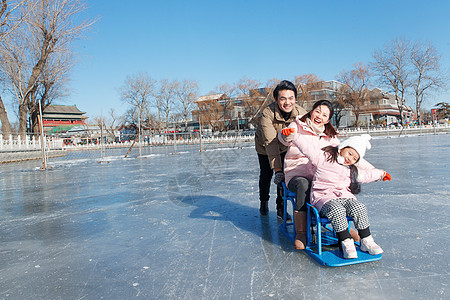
[187, 226]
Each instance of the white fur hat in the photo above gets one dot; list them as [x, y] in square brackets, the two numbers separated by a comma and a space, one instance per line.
[360, 143]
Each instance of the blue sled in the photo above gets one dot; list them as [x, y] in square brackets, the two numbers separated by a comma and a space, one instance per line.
[321, 238]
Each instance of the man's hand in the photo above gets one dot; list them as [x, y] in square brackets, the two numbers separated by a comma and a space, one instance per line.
[279, 177]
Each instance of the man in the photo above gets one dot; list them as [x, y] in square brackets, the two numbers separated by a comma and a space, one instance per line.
[271, 152]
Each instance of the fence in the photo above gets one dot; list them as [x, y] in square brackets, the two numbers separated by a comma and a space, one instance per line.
[16, 142]
[14, 147]
[396, 130]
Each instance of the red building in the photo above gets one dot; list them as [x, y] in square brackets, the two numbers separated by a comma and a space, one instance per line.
[65, 116]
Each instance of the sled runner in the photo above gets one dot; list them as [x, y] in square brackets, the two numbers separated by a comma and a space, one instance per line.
[322, 243]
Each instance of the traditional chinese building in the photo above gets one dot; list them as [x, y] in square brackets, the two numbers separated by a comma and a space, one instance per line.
[62, 116]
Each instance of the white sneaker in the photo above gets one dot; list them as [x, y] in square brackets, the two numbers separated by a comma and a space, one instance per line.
[368, 245]
[349, 249]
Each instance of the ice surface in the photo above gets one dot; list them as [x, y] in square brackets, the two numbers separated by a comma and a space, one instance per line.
[187, 226]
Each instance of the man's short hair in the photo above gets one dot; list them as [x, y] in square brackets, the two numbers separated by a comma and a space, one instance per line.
[284, 85]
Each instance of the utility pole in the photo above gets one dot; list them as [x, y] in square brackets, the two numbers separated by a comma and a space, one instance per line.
[42, 136]
[200, 130]
[139, 132]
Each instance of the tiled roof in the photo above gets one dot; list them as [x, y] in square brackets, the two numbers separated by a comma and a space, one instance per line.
[63, 116]
[63, 109]
[210, 97]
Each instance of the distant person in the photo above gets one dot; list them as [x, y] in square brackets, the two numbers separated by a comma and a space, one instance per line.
[271, 152]
[336, 180]
[316, 127]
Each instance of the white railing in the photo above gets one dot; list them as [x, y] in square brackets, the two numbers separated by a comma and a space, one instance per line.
[422, 129]
[16, 142]
[161, 141]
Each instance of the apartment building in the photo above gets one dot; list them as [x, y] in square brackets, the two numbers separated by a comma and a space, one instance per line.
[221, 112]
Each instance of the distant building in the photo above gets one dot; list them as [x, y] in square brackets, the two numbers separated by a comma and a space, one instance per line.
[220, 112]
[61, 118]
[310, 93]
[380, 107]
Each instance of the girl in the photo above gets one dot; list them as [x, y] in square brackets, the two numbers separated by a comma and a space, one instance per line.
[315, 126]
[335, 181]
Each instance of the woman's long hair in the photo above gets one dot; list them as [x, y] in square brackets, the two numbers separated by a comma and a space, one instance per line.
[332, 153]
[329, 129]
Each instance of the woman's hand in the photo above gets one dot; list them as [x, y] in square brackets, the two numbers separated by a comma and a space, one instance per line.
[386, 176]
[288, 134]
[287, 131]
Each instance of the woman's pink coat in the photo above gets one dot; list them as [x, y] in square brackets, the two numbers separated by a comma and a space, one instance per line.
[295, 162]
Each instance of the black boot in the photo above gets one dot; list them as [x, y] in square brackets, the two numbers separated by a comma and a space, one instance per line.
[264, 208]
[280, 205]
[280, 212]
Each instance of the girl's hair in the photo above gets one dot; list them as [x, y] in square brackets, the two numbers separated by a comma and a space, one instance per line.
[332, 153]
[329, 129]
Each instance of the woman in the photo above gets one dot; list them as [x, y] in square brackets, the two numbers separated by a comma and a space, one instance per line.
[316, 128]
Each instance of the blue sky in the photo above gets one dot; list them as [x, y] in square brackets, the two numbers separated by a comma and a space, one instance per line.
[217, 42]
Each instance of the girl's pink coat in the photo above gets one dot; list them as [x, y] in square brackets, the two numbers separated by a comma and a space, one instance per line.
[331, 180]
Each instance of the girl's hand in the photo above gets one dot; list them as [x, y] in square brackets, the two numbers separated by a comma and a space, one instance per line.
[386, 176]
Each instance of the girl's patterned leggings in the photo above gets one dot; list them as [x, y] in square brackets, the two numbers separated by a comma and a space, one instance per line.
[337, 210]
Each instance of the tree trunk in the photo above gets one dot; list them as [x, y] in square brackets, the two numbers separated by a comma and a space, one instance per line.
[419, 115]
[419, 99]
[23, 109]
[356, 119]
[6, 126]
[46, 49]
[34, 122]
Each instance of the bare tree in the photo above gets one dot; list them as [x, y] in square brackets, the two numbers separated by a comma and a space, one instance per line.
[231, 91]
[137, 91]
[51, 85]
[186, 92]
[151, 120]
[211, 112]
[339, 107]
[355, 91]
[10, 18]
[268, 98]
[305, 84]
[253, 95]
[391, 65]
[110, 124]
[245, 85]
[165, 98]
[49, 28]
[425, 75]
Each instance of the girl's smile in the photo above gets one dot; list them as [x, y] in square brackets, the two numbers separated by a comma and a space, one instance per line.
[350, 156]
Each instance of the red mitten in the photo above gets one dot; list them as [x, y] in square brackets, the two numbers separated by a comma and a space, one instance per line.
[386, 176]
[287, 131]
